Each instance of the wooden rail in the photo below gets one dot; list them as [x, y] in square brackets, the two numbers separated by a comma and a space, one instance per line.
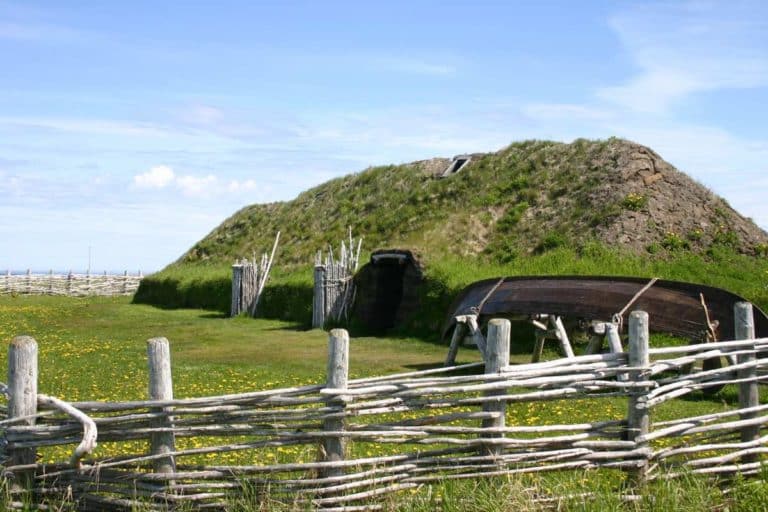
[356, 440]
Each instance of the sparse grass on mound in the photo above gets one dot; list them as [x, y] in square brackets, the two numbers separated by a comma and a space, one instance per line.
[529, 197]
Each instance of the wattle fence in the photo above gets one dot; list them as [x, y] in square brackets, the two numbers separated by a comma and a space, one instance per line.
[72, 285]
[347, 444]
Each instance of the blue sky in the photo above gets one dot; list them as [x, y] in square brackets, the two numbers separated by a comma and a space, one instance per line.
[134, 128]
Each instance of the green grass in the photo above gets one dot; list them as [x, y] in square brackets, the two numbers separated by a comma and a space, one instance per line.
[83, 342]
[95, 349]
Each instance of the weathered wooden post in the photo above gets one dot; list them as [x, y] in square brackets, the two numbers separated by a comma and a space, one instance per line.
[332, 290]
[22, 398]
[237, 279]
[459, 331]
[125, 283]
[161, 388]
[748, 392]
[338, 371]
[614, 344]
[50, 282]
[497, 351]
[29, 281]
[69, 283]
[318, 302]
[638, 416]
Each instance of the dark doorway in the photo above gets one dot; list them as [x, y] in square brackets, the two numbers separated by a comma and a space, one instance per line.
[388, 292]
[387, 289]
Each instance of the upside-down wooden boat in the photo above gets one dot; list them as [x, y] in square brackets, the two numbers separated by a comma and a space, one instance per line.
[676, 308]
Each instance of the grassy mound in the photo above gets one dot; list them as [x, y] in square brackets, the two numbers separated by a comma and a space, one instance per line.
[608, 207]
[526, 199]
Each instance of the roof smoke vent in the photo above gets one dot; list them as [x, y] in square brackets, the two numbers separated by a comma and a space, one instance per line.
[456, 165]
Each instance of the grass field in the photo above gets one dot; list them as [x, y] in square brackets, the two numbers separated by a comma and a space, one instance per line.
[95, 349]
[85, 342]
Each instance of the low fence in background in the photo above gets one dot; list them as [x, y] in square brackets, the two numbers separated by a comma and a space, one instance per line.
[72, 285]
[347, 444]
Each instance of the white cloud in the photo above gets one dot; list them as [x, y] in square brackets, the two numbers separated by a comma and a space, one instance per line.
[686, 48]
[159, 176]
[240, 186]
[198, 186]
[201, 187]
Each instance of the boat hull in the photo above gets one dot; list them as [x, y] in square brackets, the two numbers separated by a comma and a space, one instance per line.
[673, 307]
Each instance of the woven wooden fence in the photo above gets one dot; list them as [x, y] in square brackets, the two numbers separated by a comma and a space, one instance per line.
[73, 285]
[334, 288]
[353, 442]
[248, 281]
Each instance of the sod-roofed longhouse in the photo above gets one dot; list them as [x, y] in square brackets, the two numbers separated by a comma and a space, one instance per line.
[387, 289]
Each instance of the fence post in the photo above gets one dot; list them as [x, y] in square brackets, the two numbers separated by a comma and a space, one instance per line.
[69, 283]
[250, 288]
[748, 392]
[638, 418]
[237, 279]
[338, 371]
[161, 388]
[29, 281]
[22, 397]
[497, 351]
[318, 304]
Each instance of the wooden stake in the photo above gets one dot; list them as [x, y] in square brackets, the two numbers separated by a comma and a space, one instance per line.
[22, 397]
[337, 376]
[318, 304]
[638, 419]
[497, 350]
[748, 393]
[161, 388]
[562, 336]
[237, 279]
[458, 335]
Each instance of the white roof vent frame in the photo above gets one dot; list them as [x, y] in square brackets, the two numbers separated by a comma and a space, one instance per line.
[457, 163]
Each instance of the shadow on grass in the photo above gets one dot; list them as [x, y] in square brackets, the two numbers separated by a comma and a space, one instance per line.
[293, 327]
[214, 315]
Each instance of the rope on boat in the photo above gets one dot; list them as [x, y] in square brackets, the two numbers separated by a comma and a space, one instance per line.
[618, 318]
[477, 309]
